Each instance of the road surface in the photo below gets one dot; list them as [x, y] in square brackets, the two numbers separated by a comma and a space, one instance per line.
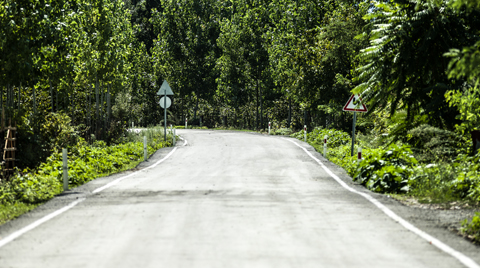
[226, 199]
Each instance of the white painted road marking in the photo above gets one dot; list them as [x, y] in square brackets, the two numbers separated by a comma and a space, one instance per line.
[184, 141]
[432, 240]
[52, 215]
[27, 228]
[110, 184]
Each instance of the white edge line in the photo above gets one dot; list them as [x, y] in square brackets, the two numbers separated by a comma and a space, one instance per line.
[185, 141]
[112, 183]
[52, 215]
[432, 240]
[27, 228]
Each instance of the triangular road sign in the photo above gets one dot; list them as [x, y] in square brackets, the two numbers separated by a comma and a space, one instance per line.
[354, 104]
[165, 87]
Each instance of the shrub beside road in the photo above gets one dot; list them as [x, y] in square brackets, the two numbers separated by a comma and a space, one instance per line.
[392, 168]
[30, 188]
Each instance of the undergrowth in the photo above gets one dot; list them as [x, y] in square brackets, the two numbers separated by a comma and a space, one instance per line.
[471, 228]
[30, 187]
[444, 174]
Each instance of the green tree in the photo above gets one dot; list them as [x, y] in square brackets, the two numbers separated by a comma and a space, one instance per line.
[404, 67]
[185, 50]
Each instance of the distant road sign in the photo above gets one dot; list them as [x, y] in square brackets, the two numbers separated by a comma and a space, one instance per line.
[165, 89]
[162, 102]
[354, 104]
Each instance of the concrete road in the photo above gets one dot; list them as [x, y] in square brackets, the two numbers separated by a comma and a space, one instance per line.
[227, 199]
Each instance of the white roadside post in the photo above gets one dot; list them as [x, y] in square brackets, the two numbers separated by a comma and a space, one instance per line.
[173, 134]
[359, 154]
[132, 125]
[65, 170]
[145, 151]
[186, 121]
[305, 132]
[325, 146]
[268, 128]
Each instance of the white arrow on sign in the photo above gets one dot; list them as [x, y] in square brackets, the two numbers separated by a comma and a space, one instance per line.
[354, 104]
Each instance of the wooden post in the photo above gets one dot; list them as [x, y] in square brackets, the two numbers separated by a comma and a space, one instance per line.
[9, 151]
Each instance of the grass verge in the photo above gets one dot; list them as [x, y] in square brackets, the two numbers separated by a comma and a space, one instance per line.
[28, 189]
[393, 169]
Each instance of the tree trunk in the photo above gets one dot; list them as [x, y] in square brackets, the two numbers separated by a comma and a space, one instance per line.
[305, 113]
[51, 95]
[102, 113]
[96, 104]
[109, 104]
[19, 95]
[34, 101]
[256, 117]
[89, 110]
[196, 107]
[289, 120]
[475, 141]
[261, 109]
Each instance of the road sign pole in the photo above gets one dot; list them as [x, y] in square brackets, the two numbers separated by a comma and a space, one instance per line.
[165, 114]
[353, 130]
[165, 90]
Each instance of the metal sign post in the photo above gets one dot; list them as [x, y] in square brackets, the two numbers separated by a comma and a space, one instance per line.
[165, 114]
[165, 90]
[353, 131]
[354, 104]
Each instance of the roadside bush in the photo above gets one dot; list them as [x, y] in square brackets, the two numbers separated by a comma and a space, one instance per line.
[431, 144]
[282, 131]
[335, 137]
[85, 163]
[467, 182]
[472, 228]
[192, 127]
[342, 156]
[432, 183]
[386, 170]
[57, 132]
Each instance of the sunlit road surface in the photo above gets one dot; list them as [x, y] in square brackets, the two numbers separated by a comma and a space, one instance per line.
[226, 199]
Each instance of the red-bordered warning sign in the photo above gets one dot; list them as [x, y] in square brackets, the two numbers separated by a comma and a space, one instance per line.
[354, 104]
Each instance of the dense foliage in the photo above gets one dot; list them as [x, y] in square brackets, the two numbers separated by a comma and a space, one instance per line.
[74, 70]
[238, 63]
[85, 163]
[472, 228]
